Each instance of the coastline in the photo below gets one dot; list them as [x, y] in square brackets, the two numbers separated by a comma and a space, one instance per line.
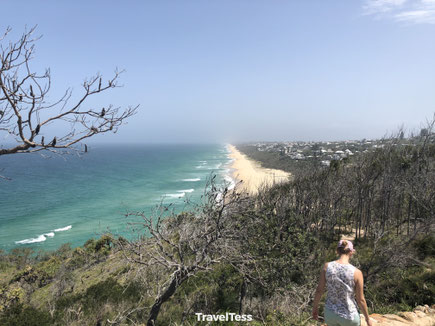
[251, 174]
[173, 173]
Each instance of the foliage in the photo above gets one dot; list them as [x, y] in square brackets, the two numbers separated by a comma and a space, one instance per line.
[276, 160]
[259, 255]
[41, 273]
[425, 246]
[19, 314]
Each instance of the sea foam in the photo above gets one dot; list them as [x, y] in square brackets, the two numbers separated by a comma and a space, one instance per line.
[175, 195]
[43, 237]
[227, 171]
[202, 165]
[181, 193]
[216, 167]
[40, 238]
[230, 181]
[66, 228]
[192, 180]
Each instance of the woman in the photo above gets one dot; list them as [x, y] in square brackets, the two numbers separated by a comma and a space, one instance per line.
[344, 283]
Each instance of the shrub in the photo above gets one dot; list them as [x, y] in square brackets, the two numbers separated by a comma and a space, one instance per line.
[425, 246]
[42, 272]
[12, 296]
[97, 295]
[25, 316]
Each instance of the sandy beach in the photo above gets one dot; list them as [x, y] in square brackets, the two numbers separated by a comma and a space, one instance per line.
[252, 174]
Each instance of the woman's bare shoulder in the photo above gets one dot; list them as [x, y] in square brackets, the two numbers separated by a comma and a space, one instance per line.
[357, 274]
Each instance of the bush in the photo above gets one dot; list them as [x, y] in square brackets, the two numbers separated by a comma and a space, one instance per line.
[102, 245]
[42, 272]
[78, 258]
[19, 315]
[402, 290]
[97, 295]
[21, 256]
[425, 247]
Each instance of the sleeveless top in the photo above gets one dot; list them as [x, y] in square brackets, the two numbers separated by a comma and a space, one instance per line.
[340, 285]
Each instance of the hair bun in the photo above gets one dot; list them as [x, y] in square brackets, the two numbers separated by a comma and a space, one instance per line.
[342, 243]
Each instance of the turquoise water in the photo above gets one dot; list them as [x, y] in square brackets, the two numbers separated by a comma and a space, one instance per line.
[51, 201]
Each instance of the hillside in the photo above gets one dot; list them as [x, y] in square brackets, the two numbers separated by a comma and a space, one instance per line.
[252, 255]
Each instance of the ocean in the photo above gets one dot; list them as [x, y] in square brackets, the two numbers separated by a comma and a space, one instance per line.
[54, 200]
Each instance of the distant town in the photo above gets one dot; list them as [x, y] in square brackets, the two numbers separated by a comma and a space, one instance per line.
[323, 151]
[291, 155]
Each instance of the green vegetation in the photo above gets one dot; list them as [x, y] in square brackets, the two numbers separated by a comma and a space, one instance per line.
[276, 159]
[254, 255]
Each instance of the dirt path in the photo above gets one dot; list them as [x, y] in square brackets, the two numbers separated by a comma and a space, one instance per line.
[421, 316]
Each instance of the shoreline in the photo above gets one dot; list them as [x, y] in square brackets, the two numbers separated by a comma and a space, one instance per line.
[251, 174]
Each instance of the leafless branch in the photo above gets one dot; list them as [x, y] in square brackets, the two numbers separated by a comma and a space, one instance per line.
[24, 102]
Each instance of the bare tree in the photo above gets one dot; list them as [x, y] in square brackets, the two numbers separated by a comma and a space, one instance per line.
[181, 245]
[25, 111]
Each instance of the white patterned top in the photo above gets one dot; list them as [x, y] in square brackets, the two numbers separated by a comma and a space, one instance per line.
[340, 285]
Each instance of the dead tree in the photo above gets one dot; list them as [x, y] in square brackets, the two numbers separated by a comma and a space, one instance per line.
[181, 245]
[25, 111]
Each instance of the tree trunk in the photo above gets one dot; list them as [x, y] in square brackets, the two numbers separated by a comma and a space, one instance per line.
[243, 290]
[179, 277]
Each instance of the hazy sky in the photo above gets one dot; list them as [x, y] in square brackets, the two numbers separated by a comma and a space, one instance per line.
[233, 70]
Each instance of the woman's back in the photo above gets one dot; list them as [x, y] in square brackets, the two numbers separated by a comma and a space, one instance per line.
[345, 286]
[340, 286]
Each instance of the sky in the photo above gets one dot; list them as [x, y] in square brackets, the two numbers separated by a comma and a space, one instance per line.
[243, 70]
